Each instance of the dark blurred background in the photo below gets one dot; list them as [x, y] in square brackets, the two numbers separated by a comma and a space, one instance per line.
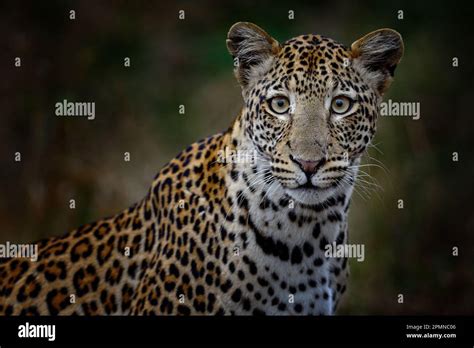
[185, 62]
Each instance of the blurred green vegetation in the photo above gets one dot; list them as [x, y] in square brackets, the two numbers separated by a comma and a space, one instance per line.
[174, 62]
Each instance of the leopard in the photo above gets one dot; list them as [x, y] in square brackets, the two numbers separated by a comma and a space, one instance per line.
[238, 223]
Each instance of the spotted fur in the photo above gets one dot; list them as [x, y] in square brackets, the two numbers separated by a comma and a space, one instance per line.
[225, 237]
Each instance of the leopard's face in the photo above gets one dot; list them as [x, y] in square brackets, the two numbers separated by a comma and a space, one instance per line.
[311, 104]
[311, 114]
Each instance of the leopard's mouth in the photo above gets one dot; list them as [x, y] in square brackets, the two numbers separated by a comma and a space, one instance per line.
[309, 193]
[308, 186]
[307, 189]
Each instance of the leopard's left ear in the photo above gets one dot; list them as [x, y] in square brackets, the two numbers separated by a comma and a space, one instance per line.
[378, 53]
[253, 48]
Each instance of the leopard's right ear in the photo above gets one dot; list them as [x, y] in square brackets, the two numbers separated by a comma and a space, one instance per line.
[252, 49]
[379, 53]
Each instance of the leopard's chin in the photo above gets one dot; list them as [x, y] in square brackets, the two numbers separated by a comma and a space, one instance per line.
[310, 195]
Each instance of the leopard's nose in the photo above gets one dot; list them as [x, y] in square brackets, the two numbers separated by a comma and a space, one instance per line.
[308, 167]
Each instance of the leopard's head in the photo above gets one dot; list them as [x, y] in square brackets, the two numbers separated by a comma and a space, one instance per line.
[311, 104]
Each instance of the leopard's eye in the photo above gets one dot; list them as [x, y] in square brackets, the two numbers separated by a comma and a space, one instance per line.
[341, 104]
[279, 105]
